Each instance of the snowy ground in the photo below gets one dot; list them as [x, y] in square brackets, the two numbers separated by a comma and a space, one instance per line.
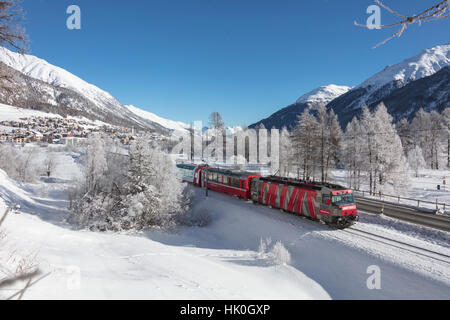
[423, 188]
[219, 261]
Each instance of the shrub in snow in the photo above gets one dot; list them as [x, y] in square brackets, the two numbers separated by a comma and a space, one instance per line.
[263, 245]
[197, 217]
[277, 253]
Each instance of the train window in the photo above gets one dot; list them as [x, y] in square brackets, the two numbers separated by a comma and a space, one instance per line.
[225, 180]
[343, 199]
[326, 199]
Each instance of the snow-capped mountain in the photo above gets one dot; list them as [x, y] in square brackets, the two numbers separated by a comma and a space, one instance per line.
[392, 78]
[287, 117]
[34, 83]
[418, 82]
[169, 124]
[323, 95]
[425, 64]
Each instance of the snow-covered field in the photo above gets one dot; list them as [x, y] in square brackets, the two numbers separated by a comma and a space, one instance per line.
[221, 260]
[423, 188]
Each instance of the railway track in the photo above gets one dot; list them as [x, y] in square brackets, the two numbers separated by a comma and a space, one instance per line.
[389, 242]
[420, 251]
[419, 216]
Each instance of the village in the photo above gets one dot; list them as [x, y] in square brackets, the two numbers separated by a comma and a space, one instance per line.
[55, 130]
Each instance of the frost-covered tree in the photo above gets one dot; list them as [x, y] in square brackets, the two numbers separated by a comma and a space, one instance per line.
[354, 156]
[49, 164]
[391, 169]
[428, 128]
[446, 132]
[20, 163]
[335, 143]
[144, 192]
[374, 152]
[317, 143]
[305, 145]
[95, 164]
[416, 160]
[286, 153]
[404, 132]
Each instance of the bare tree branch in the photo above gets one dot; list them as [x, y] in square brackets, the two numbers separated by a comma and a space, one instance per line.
[436, 12]
[11, 32]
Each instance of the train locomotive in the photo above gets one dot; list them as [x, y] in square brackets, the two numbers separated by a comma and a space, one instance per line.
[331, 204]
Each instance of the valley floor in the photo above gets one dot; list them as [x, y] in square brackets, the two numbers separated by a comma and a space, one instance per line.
[220, 261]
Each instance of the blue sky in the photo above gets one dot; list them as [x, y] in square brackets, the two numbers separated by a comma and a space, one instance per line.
[183, 59]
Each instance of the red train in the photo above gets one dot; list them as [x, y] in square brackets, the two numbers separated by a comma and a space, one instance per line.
[329, 203]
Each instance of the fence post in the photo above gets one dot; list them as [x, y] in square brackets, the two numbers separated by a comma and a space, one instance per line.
[437, 206]
[398, 199]
[418, 203]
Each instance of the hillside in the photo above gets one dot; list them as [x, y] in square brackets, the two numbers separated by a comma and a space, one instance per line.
[32, 83]
[420, 81]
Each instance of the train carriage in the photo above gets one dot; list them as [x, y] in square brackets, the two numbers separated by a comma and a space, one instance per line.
[234, 183]
[329, 203]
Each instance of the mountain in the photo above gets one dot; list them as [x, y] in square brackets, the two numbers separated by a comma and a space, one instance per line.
[169, 124]
[418, 82]
[33, 83]
[288, 116]
[396, 86]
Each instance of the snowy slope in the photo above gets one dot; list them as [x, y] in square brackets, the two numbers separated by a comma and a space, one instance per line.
[420, 81]
[42, 70]
[425, 64]
[39, 84]
[324, 94]
[169, 124]
[287, 117]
